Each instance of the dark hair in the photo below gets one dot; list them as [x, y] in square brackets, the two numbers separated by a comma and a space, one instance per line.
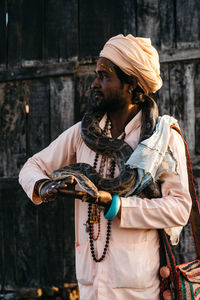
[138, 93]
[123, 77]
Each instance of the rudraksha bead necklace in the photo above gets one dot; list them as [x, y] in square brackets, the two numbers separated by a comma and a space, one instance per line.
[110, 174]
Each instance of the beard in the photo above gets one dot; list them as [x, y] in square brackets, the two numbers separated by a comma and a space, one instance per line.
[107, 105]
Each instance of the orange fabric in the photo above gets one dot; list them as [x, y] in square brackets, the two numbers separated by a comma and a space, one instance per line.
[135, 56]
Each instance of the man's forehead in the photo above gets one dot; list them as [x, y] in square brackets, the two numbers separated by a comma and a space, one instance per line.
[103, 64]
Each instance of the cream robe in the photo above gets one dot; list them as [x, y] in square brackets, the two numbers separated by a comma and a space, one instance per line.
[130, 268]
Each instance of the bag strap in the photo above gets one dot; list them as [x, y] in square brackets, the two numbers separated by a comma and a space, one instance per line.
[195, 211]
[166, 255]
[167, 259]
[194, 217]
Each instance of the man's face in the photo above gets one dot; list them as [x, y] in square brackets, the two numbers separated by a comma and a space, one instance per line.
[108, 93]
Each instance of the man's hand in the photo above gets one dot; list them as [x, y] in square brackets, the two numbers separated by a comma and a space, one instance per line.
[48, 190]
[103, 199]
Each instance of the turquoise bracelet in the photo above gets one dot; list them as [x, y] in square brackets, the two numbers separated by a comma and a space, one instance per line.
[112, 211]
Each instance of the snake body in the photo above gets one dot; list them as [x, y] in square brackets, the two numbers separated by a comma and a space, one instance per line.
[116, 149]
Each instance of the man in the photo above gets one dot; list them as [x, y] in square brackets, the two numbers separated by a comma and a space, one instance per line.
[119, 258]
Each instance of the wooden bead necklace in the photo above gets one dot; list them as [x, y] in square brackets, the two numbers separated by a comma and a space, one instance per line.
[94, 213]
[91, 221]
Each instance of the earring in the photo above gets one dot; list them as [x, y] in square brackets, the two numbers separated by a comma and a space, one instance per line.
[130, 91]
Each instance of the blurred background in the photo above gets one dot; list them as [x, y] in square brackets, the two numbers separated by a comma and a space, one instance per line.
[48, 50]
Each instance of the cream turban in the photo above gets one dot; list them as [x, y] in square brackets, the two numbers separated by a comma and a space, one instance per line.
[135, 56]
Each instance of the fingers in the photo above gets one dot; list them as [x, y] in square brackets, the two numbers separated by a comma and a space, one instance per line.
[52, 189]
[68, 181]
[49, 189]
[104, 197]
[88, 198]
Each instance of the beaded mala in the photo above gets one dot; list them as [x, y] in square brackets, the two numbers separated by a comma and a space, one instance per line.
[91, 237]
[94, 216]
[110, 174]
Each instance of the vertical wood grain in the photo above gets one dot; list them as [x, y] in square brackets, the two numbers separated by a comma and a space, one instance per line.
[61, 105]
[51, 243]
[12, 125]
[167, 24]
[99, 20]
[3, 40]
[197, 107]
[60, 30]
[187, 23]
[148, 20]
[27, 250]
[163, 95]
[38, 118]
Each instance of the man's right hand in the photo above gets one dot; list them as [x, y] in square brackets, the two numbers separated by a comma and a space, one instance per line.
[48, 189]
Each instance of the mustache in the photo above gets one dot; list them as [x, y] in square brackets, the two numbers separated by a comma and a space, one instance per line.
[96, 93]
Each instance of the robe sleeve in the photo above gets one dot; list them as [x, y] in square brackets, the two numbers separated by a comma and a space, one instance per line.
[59, 153]
[173, 209]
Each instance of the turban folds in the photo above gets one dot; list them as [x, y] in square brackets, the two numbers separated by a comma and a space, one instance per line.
[135, 56]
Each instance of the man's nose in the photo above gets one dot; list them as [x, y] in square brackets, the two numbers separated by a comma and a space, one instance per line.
[95, 84]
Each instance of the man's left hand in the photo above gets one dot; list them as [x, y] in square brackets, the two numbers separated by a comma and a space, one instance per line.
[104, 199]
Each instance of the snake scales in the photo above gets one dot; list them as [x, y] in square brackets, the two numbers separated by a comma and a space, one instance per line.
[117, 149]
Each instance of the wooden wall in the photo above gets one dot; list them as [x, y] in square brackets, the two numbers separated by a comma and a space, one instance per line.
[47, 58]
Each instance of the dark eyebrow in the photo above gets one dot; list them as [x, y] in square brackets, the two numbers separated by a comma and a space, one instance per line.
[101, 72]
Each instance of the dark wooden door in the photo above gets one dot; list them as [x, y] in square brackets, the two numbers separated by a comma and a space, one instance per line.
[47, 58]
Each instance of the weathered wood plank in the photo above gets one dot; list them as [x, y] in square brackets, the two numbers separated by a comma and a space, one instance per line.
[176, 55]
[177, 92]
[62, 105]
[163, 96]
[6, 183]
[182, 100]
[3, 43]
[148, 20]
[32, 29]
[12, 125]
[27, 250]
[8, 205]
[182, 107]
[185, 250]
[187, 23]
[51, 243]
[82, 94]
[61, 30]
[197, 108]
[2, 242]
[34, 71]
[129, 17]
[69, 241]
[105, 19]
[37, 71]
[189, 106]
[167, 24]
[38, 131]
[14, 32]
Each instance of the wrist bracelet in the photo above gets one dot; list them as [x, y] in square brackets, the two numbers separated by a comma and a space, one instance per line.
[41, 186]
[111, 212]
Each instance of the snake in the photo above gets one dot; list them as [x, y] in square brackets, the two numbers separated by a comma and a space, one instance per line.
[116, 149]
